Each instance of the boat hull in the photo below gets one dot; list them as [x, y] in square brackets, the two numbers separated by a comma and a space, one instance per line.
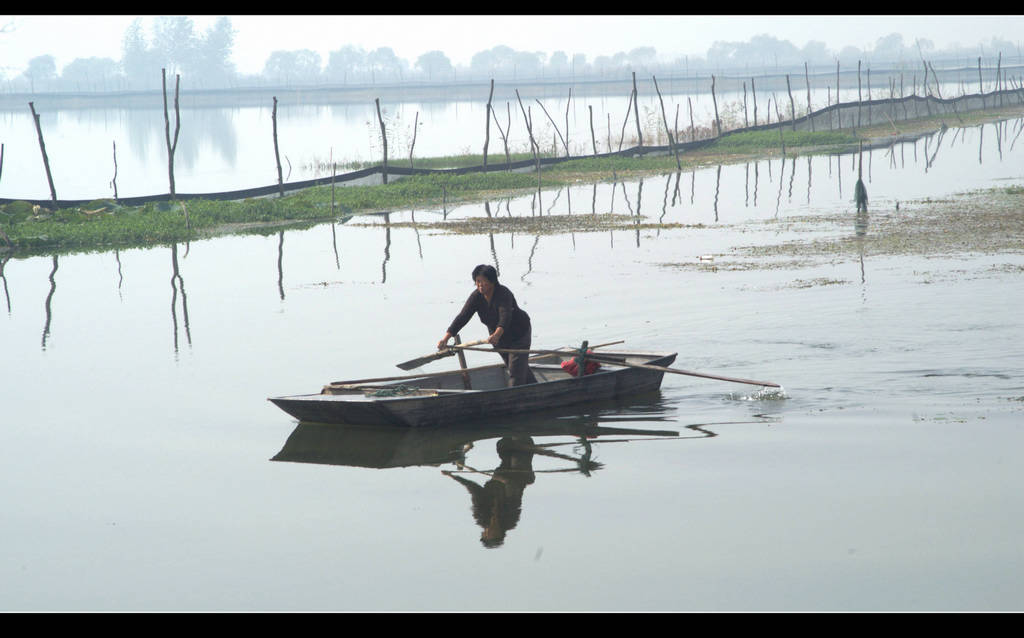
[459, 406]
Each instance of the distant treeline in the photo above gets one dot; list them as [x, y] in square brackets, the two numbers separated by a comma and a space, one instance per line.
[204, 60]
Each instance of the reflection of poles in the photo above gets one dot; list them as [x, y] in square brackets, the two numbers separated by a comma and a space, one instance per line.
[808, 179]
[792, 173]
[7, 296]
[529, 261]
[280, 264]
[746, 185]
[120, 275]
[494, 253]
[176, 283]
[756, 177]
[718, 182]
[387, 248]
[778, 198]
[639, 195]
[49, 299]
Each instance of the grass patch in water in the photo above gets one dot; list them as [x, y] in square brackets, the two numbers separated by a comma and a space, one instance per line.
[767, 140]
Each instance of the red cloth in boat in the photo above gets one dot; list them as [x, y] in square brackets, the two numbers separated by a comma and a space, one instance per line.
[573, 368]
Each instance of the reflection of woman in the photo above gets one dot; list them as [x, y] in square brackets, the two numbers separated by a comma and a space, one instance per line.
[498, 503]
[507, 323]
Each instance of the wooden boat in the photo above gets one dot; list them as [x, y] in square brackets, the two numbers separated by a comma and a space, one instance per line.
[480, 392]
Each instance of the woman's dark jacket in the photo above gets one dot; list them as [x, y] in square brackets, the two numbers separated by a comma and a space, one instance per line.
[502, 311]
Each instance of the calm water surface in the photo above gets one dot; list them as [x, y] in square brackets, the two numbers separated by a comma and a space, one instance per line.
[145, 470]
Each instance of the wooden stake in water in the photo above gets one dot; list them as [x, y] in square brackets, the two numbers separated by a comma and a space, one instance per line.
[668, 131]
[487, 126]
[384, 139]
[277, 155]
[113, 181]
[636, 113]
[171, 147]
[46, 160]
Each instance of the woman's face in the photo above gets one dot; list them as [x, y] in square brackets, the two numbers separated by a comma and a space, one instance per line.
[484, 285]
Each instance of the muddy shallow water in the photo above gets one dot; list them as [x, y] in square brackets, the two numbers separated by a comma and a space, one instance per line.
[145, 470]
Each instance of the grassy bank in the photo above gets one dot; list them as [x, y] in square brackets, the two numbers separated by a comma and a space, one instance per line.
[102, 224]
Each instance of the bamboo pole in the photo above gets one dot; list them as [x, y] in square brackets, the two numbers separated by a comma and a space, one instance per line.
[384, 139]
[593, 138]
[113, 181]
[839, 109]
[487, 127]
[625, 120]
[860, 98]
[277, 154]
[568, 103]
[636, 113]
[693, 131]
[753, 95]
[415, 126]
[981, 87]
[746, 122]
[999, 65]
[557, 132]
[42, 149]
[171, 147]
[792, 104]
[714, 101]
[529, 132]
[807, 81]
[668, 131]
[504, 134]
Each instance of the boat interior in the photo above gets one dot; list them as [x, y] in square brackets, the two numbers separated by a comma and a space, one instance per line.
[545, 367]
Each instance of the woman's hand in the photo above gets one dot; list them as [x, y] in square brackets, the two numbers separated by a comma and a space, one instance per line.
[493, 339]
[444, 342]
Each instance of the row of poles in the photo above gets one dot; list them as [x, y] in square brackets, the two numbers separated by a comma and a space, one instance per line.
[172, 141]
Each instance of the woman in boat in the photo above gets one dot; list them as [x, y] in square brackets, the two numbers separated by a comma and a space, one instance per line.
[507, 323]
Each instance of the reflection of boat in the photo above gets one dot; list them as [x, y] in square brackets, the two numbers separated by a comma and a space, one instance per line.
[475, 393]
[376, 446]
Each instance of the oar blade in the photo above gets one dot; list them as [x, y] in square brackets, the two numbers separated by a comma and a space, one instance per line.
[419, 361]
[440, 354]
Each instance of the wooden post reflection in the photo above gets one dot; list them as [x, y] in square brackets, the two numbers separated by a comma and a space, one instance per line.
[49, 300]
[178, 283]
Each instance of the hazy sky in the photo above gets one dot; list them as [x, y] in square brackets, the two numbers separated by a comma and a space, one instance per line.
[23, 37]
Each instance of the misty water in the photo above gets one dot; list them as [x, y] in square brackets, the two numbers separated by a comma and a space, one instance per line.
[144, 468]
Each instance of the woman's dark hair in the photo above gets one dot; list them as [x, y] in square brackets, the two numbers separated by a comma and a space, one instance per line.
[488, 272]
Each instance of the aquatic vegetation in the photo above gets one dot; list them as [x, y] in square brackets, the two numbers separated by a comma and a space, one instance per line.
[539, 224]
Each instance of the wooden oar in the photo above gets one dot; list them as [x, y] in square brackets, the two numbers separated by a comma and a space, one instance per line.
[646, 366]
[440, 354]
